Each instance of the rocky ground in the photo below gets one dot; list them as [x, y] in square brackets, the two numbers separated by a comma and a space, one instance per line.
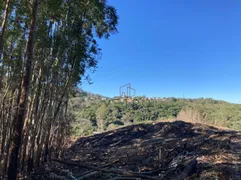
[166, 150]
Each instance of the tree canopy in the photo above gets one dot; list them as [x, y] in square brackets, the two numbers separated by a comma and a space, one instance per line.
[94, 111]
[46, 49]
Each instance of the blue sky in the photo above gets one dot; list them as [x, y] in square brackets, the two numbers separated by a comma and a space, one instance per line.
[173, 48]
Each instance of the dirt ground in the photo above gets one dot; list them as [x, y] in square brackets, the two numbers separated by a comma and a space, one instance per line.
[166, 150]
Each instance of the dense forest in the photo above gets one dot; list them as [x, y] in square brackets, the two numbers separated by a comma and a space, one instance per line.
[46, 49]
[95, 113]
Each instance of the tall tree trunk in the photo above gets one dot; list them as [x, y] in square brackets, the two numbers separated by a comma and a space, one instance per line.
[3, 26]
[26, 133]
[3, 29]
[19, 119]
[34, 119]
[46, 147]
[9, 132]
[3, 120]
[41, 136]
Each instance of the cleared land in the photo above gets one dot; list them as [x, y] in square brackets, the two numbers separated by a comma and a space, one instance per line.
[165, 150]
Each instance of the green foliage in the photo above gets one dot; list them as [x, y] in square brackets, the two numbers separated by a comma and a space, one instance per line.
[46, 49]
[111, 113]
[82, 127]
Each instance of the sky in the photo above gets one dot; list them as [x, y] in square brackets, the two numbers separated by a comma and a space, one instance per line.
[173, 48]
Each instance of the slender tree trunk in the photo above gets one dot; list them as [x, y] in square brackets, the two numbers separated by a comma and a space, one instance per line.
[3, 26]
[3, 120]
[19, 120]
[46, 150]
[26, 133]
[9, 132]
[35, 123]
[27, 130]
[40, 135]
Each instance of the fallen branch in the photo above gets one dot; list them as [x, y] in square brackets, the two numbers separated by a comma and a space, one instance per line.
[122, 140]
[154, 171]
[113, 171]
[91, 173]
[88, 175]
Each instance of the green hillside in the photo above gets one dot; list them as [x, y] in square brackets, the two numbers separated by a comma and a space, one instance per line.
[95, 113]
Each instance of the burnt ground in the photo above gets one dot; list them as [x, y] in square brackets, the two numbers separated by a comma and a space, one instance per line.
[165, 150]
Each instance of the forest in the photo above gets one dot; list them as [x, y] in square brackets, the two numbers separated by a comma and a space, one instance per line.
[95, 113]
[46, 49]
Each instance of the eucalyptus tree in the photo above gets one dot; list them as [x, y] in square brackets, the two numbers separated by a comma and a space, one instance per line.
[46, 49]
[19, 118]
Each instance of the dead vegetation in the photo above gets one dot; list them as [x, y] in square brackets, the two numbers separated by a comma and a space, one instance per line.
[166, 150]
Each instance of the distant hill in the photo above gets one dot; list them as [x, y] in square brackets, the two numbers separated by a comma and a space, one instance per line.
[96, 113]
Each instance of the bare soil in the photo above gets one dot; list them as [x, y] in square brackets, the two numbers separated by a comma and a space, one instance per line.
[166, 150]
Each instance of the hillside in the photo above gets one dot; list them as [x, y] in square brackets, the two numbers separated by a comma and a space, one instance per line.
[95, 113]
[166, 150]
